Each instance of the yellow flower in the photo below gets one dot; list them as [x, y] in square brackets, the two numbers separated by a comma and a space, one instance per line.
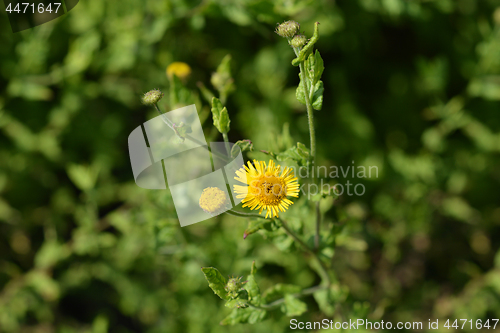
[268, 187]
[179, 69]
[213, 200]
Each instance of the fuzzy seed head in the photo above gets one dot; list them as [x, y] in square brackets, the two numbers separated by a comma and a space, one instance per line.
[213, 201]
[298, 41]
[288, 29]
[152, 97]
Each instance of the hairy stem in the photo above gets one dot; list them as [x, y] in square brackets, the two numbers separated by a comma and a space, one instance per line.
[312, 133]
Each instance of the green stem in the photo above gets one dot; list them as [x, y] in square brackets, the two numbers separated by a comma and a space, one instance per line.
[189, 137]
[226, 143]
[318, 224]
[310, 117]
[305, 292]
[323, 269]
[312, 135]
[291, 233]
[242, 214]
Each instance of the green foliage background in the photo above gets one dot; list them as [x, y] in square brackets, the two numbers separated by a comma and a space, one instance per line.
[412, 87]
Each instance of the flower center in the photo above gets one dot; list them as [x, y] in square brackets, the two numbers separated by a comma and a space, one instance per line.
[212, 200]
[268, 190]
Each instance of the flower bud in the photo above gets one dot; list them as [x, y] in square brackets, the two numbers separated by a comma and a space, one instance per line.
[152, 97]
[298, 41]
[233, 286]
[288, 29]
[213, 201]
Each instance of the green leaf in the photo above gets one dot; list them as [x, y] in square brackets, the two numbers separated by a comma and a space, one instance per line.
[299, 154]
[278, 291]
[327, 299]
[319, 67]
[182, 129]
[259, 224]
[216, 110]
[246, 315]
[224, 121]
[179, 95]
[299, 93]
[220, 116]
[221, 79]
[205, 92]
[83, 176]
[236, 303]
[317, 97]
[216, 281]
[314, 67]
[241, 145]
[241, 300]
[253, 289]
[293, 306]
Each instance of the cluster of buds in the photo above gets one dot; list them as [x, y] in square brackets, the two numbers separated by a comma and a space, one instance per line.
[233, 286]
[289, 30]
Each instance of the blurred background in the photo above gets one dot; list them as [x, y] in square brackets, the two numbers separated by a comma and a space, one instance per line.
[412, 87]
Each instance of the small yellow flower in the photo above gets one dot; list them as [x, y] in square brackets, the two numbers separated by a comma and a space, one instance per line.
[268, 187]
[213, 201]
[179, 69]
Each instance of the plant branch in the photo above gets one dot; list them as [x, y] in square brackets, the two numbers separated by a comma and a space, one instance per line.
[318, 224]
[242, 214]
[305, 292]
[323, 269]
[189, 137]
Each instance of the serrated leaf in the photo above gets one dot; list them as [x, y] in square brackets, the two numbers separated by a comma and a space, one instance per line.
[246, 315]
[216, 281]
[252, 288]
[293, 306]
[241, 145]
